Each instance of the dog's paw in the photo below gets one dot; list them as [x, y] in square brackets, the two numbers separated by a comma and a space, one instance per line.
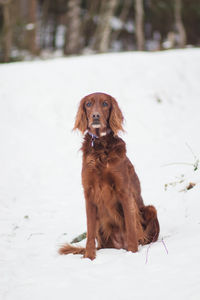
[133, 248]
[91, 254]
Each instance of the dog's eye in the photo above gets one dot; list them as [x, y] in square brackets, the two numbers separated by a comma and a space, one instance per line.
[88, 104]
[105, 104]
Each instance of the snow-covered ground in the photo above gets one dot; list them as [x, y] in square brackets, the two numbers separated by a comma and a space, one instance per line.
[41, 198]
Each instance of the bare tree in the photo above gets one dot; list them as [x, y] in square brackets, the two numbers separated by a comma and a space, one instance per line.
[103, 32]
[89, 23]
[139, 30]
[122, 17]
[43, 20]
[7, 29]
[73, 37]
[31, 26]
[179, 24]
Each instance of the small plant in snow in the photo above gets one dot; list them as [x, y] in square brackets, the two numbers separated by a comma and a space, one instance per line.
[181, 179]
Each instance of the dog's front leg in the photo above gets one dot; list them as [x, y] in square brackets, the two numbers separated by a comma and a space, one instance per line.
[130, 223]
[91, 212]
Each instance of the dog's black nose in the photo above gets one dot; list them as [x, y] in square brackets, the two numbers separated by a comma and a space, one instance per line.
[96, 116]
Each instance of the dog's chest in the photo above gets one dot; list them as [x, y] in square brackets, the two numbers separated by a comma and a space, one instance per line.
[100, 176]
[98, 160]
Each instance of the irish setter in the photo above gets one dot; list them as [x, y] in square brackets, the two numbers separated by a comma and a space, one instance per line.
[116, 214]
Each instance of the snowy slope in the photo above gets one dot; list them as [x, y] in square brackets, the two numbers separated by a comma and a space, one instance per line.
[41, 199]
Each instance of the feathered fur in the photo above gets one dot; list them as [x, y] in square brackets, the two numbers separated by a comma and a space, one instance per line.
[116, 214]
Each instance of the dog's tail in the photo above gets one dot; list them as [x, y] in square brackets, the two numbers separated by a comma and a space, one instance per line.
[151, 224]
[67, 249]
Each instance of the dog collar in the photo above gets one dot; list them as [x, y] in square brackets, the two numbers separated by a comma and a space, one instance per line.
[94, 137]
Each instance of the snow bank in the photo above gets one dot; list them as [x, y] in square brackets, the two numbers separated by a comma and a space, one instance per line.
[41, 197]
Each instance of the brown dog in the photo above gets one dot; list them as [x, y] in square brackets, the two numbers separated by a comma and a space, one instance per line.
[116, 214]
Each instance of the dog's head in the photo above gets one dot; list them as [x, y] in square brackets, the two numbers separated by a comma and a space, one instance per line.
[97, 113]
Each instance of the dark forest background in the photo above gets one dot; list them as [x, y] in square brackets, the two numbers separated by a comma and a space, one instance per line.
[49, 28]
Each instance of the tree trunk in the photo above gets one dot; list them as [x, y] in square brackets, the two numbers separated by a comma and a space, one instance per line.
[139, 30]
[179, 24]
[73, 38]
[44, 20]
[122, 17]
[89, 25]
[54, 31]
[31, 27]
[7, 29]
[103, 32]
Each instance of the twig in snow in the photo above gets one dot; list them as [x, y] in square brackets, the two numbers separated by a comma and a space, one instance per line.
[188, 187]
[178, 163]
[37, 233]
[195, 164]
[147, 253]
[164, 245]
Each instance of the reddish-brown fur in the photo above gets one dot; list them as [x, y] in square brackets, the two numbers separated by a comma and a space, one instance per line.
[116, 214]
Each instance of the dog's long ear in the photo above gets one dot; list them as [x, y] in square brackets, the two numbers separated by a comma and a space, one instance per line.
[81, 119]
[116, 117]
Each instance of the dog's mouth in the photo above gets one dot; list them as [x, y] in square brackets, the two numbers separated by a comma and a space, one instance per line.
[96, 124]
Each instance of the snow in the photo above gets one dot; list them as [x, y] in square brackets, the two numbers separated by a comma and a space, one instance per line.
[41, 198]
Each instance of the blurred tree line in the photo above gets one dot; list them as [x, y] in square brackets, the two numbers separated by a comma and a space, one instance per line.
[30, 28]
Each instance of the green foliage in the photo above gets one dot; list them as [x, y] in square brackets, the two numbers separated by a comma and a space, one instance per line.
[79, 238]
